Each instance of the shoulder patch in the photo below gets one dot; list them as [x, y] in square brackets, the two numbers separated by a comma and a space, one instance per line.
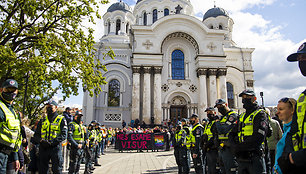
[231, 119]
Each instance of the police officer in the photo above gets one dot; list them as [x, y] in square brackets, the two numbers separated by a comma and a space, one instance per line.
[210, 143]
[180, 150]
[196, 151]
[89, 150]
[296, 160]
[76, 136]
[50, 132]
[251, 129]
[10, 131]
[228, 119]
[187, 129]
[97, 140]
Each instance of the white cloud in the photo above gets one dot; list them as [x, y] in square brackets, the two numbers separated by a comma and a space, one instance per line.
[273, 75]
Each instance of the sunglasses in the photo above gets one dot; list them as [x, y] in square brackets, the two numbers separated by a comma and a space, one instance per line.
[285, 100]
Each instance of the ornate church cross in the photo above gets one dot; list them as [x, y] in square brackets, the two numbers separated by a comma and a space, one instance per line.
[178, 9]
[147, 44]
[211, 46]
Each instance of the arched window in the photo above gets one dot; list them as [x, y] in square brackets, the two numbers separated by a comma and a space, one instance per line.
[178, 65]
[108, 27]
[114, 93]
[220, 27]
[127, 28]
[154, 15]
[144, 18]
[211, 27]
[166, 12]
[230, 95]
[118, 26]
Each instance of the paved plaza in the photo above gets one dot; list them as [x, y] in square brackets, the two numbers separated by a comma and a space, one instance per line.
[137, 162]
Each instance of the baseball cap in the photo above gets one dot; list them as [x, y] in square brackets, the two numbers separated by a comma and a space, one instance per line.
[78, 113]
[10, 83]
[220, 102]
[184, 120]
[209, 109]
[301, 50]
[194, 116]
[247, 92]
[52, 102]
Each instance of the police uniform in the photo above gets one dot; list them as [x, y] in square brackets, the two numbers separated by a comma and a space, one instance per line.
[210, 146]
[227, 160]
[97, 140]
[50, 132]
[180, 151]
[10, 134]
[195, 139]
[76, 136]
[298, 120]
[251, 130]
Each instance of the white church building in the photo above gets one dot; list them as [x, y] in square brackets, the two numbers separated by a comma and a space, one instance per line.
[168, 63]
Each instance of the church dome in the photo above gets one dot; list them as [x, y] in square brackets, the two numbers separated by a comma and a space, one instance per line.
[119, 6]
[215, 12]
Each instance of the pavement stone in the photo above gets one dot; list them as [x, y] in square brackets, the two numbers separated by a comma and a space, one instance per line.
[115, 162]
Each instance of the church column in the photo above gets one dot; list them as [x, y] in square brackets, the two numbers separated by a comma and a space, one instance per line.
[157, 95]
[222, 83]
[149, 18]
[136, 93]
[212, 86]
[113, 27]
[147, 95]
[203, 92]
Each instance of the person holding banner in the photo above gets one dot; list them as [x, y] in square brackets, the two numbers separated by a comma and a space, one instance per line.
[196, 151]
[180, 150]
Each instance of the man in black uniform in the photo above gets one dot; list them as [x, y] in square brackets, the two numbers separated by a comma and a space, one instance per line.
[210, 143]
[296, 160]
[50, 132]
[228, 119]
[248, 136]
[76, 137]
[195, 138]
[180, 149]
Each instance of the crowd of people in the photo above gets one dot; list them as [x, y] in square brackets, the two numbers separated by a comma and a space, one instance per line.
[251, 142]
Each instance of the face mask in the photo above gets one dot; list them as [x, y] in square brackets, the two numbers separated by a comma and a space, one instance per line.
[79, 119]
[302, 66]
[49, 110]
[247, 103]
[192, 122]
[222, 110]
[9, 96]
[210, 116]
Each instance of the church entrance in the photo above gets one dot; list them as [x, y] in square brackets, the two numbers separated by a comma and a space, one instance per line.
[177, 113]
[178, 109]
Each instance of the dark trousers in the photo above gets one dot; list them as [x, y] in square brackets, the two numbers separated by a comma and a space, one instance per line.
[96, 149]
[198, 163]
[182, 160]
[253, 165]
[3, 162]
[89, 157]
[212, 159]
[227, 162]
[75, 160]
[56, 156]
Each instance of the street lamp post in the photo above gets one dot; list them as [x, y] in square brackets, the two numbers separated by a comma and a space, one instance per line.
[262, 99]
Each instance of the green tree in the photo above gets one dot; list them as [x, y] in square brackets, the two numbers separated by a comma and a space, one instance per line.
[44, 41]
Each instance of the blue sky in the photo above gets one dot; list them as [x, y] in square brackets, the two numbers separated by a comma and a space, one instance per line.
[275, 28]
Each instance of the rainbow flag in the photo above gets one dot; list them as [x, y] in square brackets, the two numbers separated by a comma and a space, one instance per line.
[159, 140]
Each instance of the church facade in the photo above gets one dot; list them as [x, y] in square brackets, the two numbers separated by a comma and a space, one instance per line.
[168, 63]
